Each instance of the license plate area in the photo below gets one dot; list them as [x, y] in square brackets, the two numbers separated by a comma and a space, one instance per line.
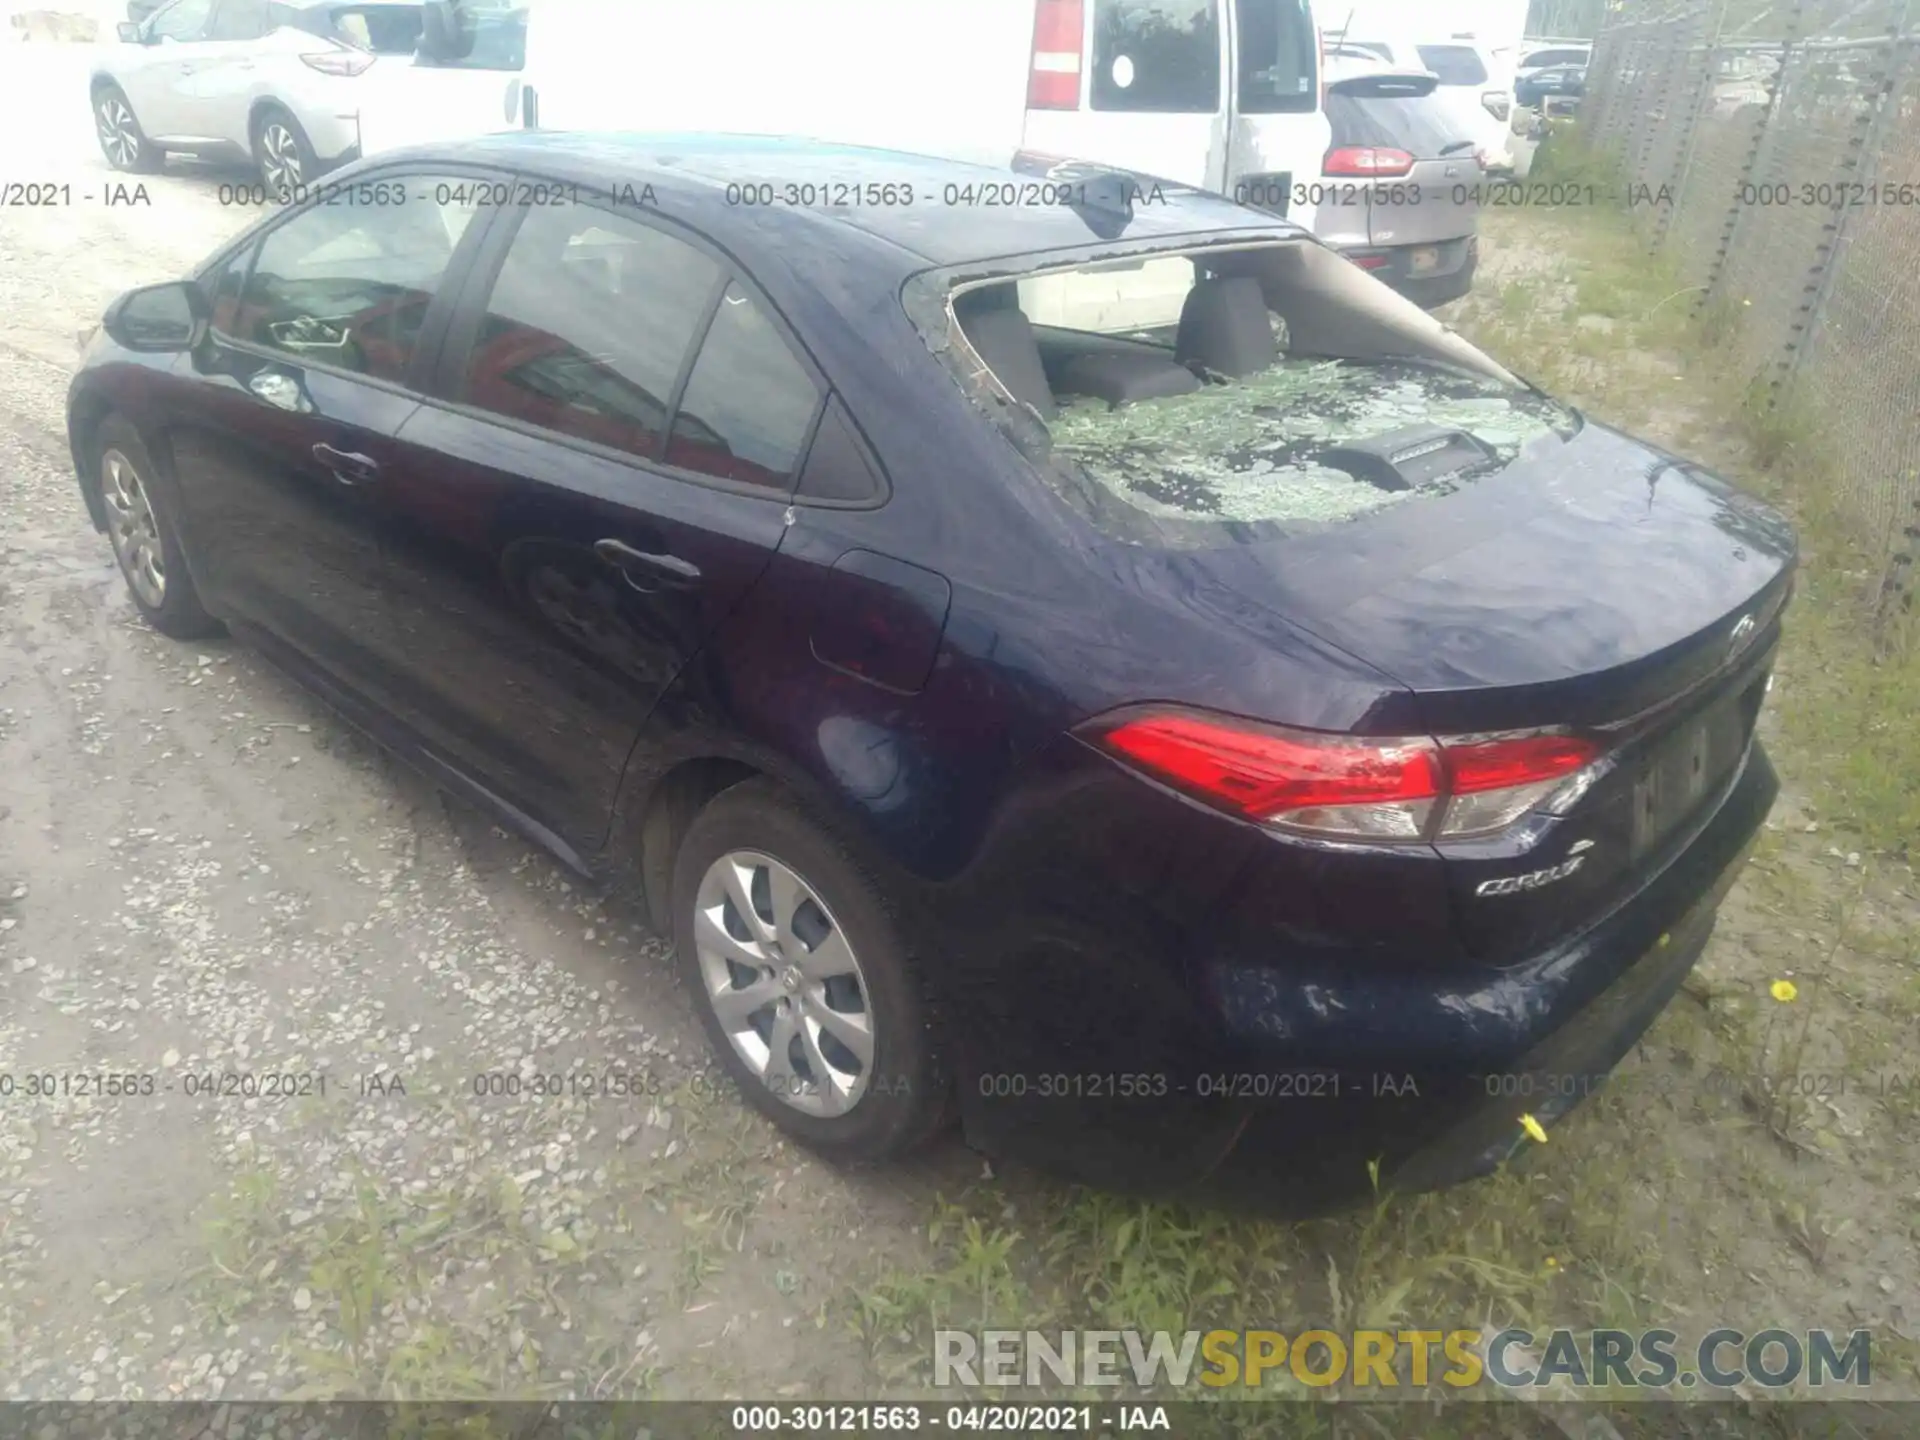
[1685, 769]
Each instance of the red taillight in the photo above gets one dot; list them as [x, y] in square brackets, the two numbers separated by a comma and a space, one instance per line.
[1370, 262]
[338, 62]
[1340, 787]
[1368, 160]
[1053, 83]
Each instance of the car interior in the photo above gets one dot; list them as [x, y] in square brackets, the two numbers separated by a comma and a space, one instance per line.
[1224, 332]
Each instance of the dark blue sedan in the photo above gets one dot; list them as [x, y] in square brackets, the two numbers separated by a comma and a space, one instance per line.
[1055, 650]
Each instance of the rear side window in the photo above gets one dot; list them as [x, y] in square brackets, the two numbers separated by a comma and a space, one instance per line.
[350, 286]
[238, 20]
[183, 20]
[1157, 56]
[1370, 114]
[749, 403]
[1454, 64]
[377, 29]
[1277, 55]
[492, 36]
[588, 327]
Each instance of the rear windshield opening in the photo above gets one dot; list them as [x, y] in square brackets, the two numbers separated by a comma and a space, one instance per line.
[1200, 398]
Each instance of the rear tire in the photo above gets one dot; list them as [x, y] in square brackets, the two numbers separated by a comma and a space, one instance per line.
[826, 962]
[145, 533]
[282, 153]
[122, 141]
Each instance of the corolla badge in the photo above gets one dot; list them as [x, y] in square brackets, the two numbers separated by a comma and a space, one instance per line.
[1534, 879]
[1742, 635]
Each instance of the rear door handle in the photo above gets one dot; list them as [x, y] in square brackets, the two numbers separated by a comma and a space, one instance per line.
[347, 468]
[669, 570]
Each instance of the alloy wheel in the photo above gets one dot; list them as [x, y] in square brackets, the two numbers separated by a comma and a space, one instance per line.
[280, 163]
[119, 135]
[131, 526]
[784, 983]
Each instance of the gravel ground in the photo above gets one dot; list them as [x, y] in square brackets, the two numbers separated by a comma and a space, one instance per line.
[203, 875]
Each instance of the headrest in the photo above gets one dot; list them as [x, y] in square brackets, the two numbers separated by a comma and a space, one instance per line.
[1224, 326]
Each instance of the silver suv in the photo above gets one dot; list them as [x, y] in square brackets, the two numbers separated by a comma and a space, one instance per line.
[1401, 184]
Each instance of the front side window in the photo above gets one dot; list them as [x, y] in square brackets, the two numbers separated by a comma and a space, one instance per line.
[1454, 64]
[589, 326]
[1157, 56]
[749, 402]
[349, 286]
[1277, 58]
[183, 20]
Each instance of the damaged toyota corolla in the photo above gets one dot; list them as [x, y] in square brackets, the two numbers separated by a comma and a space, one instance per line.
[1108, 671]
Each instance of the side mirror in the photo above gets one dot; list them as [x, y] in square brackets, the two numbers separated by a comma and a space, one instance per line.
[167, 319]
[129, 32]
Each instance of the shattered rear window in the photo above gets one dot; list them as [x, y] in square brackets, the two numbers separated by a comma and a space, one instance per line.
[1295, 393]
[1252, 450]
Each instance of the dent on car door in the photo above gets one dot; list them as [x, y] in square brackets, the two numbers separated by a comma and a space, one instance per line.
[562, 543]
[283, 439]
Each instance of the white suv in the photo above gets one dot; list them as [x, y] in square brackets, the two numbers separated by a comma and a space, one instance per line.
[274, 80]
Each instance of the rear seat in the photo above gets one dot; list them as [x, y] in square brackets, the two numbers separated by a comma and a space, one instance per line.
[1000, 333]
[1224, 326]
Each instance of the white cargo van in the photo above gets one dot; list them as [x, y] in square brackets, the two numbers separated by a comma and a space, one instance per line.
[1223, 94]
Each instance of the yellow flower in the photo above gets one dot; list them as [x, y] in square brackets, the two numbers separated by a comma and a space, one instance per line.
[1552, 1264]
[1534, 1128]
[1783, 990]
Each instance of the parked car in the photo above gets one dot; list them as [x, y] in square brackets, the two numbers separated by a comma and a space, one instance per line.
[1469, 83]
[273, 81]
[1149, 85]
[1400, 184]
[1553, 55]
[1559, 85]
[1203, 754]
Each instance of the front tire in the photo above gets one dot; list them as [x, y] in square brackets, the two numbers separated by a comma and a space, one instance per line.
[803, 979]
[122, 140]
[282, 152]
[146, 535]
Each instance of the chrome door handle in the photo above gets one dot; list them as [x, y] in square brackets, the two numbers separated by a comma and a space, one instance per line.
[665, 570]
[347, 467]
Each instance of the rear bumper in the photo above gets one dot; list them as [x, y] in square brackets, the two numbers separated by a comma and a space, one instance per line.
[1293, 1126]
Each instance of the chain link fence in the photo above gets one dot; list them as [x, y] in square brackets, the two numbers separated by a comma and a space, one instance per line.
[1779, 148]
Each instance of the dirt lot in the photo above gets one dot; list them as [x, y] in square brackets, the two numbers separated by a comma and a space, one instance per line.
[202, 872]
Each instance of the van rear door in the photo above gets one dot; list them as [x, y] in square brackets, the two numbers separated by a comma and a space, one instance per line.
[1221, 94]
[1137, 84]
[1279, 130]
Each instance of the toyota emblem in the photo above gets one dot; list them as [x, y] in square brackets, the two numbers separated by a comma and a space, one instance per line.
[1742, 635]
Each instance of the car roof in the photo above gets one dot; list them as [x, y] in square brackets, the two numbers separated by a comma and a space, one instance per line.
[698, 169]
